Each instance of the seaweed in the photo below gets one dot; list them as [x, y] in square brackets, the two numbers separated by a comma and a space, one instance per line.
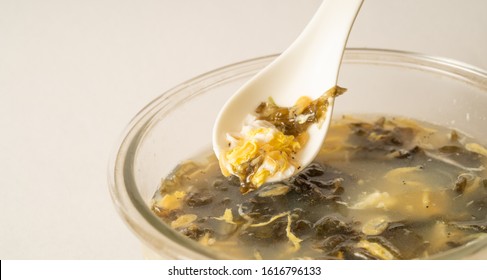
[196, 199]
[319, 183]
[332, 224]
[296, 120]
[404, 238]
[375, 137]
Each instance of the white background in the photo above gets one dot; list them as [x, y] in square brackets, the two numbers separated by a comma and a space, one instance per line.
[121, 270]
[73, 74]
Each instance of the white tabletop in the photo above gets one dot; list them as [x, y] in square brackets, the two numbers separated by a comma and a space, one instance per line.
[73, 73]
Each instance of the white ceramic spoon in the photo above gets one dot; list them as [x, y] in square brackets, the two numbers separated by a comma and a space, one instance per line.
[309, 67]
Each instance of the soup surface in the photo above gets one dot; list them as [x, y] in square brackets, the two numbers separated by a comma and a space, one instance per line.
[381, 188]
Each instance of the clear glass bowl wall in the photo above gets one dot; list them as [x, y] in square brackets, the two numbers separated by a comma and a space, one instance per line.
[178, 126]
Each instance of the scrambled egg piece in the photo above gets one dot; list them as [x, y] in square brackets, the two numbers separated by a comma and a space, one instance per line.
[260, 153]
[172, 201]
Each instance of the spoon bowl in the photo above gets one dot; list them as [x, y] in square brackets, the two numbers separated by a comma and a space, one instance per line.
[309, 67]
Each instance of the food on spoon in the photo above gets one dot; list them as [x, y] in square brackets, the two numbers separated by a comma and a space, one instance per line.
[266, 147]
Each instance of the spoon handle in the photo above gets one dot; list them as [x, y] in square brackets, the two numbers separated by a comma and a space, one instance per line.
[315, 56]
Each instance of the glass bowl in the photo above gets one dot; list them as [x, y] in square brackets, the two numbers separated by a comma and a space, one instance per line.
[178, 126]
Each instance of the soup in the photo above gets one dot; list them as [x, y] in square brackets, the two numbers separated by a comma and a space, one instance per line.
[380, 188]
